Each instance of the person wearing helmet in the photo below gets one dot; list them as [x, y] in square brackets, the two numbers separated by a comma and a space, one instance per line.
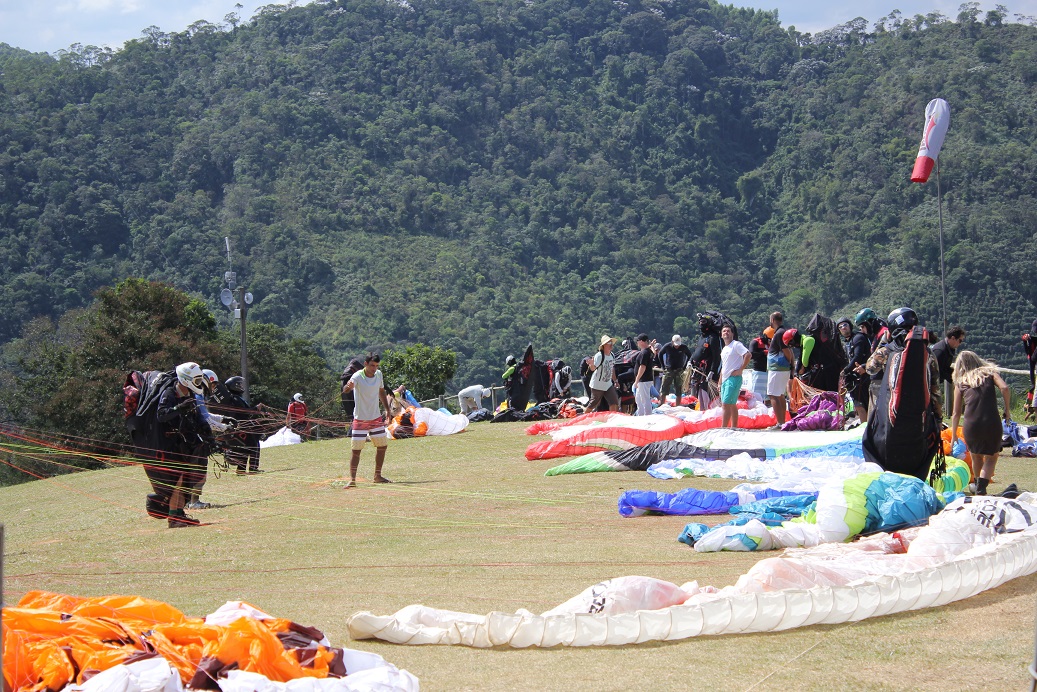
[218, 424]
[705, 361]
[561, 384]
[242, 448]
[905, 418]
[470, 398]
[369, 422]
[510, 365]
[296, 419]
[184, 440]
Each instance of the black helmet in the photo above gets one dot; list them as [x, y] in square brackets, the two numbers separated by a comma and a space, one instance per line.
[510, 360]
[865, 315]
[235, 384]
[902, 318]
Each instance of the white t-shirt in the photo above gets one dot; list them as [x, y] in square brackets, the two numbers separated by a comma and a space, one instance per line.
[601, 378]
[731, 358]
[366, 394]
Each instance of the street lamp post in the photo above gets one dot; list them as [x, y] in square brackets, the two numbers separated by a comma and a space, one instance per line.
[239, 305]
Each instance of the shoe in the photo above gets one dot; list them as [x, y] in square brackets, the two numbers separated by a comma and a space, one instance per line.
[198, 504]
[253, 472]
[178, 520]
[970, 489]
[155, 507]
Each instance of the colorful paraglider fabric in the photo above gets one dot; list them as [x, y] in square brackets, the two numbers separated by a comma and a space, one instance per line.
[804, 474]
[284, 436]
[974, 545]
[53, 640]
[823, 412]
[619, 432]
[439, 423]
[960, 451]
[780, 502]
[864, 503]
[756, 418]
[775, 442]
[902, 434]
[937, 120]
[633, 459]
[952, 478]
[546, 427]
[692, 501]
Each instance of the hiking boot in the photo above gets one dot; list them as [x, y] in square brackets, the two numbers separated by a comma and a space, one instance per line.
[155, 507]
[177, 519]
[198, 504]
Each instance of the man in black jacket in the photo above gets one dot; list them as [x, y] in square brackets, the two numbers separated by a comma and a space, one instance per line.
[855, 376]
[674, 358]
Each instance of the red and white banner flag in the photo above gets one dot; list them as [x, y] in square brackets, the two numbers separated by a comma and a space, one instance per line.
[937, 119]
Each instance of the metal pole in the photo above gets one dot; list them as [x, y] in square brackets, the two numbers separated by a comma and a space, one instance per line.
[943, 276]
[244, 352]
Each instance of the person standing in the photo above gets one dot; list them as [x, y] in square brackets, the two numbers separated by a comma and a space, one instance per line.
[945, 350]
[779, 367]
[242, 451]
[757, 383]
[974, 382]
[1030, 346]
[733, 359]
[470, 398]
[297, 411]
[706, 359]
[644, 375]
[347, 399]
[855, 376]
[603, 377]
[369, 391]
[674, 358]
[184, 439]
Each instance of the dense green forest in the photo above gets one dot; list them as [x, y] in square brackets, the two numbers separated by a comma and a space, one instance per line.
[476, 175]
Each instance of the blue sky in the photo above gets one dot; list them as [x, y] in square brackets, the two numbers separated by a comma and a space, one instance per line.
[57, 24]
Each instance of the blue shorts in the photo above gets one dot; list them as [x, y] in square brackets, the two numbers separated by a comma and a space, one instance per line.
[729, 389]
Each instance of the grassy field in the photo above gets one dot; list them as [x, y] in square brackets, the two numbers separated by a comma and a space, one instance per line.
[470, 525]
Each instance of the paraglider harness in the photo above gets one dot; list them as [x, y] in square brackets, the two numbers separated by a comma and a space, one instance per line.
[828, 358]
[895, 437]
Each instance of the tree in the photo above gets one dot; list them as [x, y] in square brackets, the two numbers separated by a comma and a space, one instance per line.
[422, 369]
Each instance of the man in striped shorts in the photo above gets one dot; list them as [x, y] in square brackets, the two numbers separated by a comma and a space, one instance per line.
[368, 390]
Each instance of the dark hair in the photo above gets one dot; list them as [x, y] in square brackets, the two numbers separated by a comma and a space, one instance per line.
[955, 332]
[777, 317]
[372, 357]
[643, 337]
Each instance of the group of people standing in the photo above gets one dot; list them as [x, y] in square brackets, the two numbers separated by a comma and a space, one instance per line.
[856, 361]
[176, 420]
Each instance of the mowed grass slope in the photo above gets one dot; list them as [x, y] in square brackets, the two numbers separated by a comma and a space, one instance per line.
[470, 525]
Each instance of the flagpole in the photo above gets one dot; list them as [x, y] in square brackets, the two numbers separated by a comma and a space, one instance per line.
[943, 275]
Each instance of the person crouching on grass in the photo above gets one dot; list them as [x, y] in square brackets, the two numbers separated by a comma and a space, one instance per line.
[368, 390]
[733, 359]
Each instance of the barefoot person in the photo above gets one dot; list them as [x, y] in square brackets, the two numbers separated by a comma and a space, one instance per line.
[369, 391]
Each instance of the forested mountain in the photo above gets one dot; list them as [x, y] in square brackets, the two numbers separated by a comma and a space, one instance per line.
[476, 175]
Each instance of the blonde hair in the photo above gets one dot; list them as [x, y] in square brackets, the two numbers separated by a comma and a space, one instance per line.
[970, 370]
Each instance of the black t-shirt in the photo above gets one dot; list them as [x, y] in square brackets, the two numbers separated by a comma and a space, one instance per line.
[646, 358]
[758, 351]
[674, 357]
[777, 343]
[944, 355]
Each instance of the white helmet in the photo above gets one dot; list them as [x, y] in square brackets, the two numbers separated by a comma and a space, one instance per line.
[190, 375]
[298, 397]
[210, 375]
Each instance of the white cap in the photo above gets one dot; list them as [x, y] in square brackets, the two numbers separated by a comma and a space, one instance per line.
[676, 339]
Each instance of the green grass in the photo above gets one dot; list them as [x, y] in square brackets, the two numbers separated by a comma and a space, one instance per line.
[471, 525]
